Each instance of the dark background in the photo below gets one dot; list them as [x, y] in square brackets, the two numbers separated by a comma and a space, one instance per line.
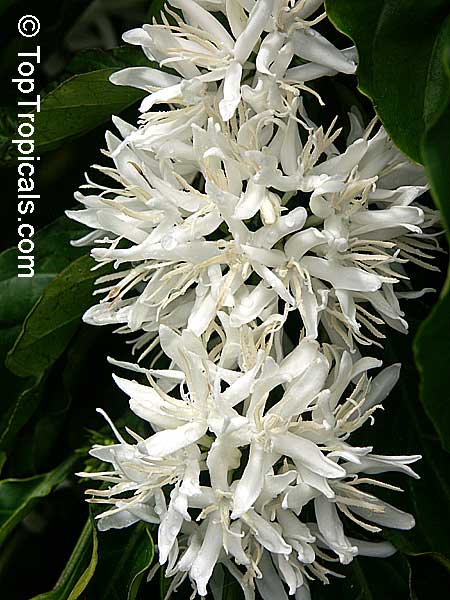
[80, 380]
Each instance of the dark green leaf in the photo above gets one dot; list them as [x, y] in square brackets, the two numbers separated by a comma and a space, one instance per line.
[164, 584]
[17, 496]
[231, 588]
[124, 557]
[79, 568]
[405, 429]
[78, 105]
[53, 253]
[2, 459]
[53, 320]
[399, 45]
[117, 58]
[8, 127]
[25, 401]
[86, 577]
[432, 341]
[18, 295]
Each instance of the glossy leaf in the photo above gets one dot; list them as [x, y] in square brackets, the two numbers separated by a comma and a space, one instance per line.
[54, 319]
[403, 428]
[79, 568]
[17, 496]
[2, 459]
[116, 58]
[124, 557]
[399, 44]
[52, 254]
[78, 105]
[432, 341]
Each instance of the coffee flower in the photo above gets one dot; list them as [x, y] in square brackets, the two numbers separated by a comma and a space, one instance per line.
[214, 58]
[233, 464]
[254, 254]
[330, 237]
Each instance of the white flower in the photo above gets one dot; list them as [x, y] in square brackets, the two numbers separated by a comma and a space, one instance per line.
[206, 53]
[334, 260]
[230, 212]
[250, 459]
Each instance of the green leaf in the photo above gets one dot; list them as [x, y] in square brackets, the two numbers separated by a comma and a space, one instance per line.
[53, 253]
[403, 428]
[93, 59]
[231, 588]
[78, 105]
[124, 557]
[2, 459]
[8, 128]
[86, 577]
[53, 320]
[21, 409]
[79, 569]
[17, 496]
[431, 344]
[399, 45]
[18, 295]
[164, 584]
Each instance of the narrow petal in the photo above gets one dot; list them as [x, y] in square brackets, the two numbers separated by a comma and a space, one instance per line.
[206, 559]
[332, 530]
[257, 21]
[310, 45]
[166, 442]
[308, 453]
[350, 278]
[231, 91]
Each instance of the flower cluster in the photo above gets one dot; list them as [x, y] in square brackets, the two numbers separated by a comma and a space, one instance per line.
[234, 220]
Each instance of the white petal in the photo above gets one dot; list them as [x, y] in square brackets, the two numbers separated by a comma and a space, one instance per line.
[166, 442]
[231, 91]
[386, 516]
[300, 243]
[143, 78]
[381, 386]
[266, 533]
[374, 549]
[350, 278]
[270, 585]
[310, 45]
[250, 201]
[331, 528]
[119, 520]
[168, 531]
[251, 483]
[308, 453]
[257, 21]
[268, 51]
[196, 15]
[206, 558]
